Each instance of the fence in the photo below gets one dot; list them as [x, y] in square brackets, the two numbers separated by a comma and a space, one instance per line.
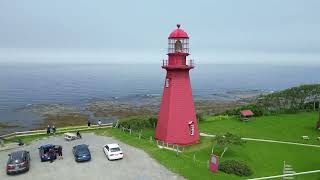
[59, 131]
[180, 150]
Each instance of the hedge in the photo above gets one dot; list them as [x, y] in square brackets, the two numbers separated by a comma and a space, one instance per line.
[236, 167]
[137, 122]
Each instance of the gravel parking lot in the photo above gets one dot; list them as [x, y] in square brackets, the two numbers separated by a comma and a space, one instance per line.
[135, 165]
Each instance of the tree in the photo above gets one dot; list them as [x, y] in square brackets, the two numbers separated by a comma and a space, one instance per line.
[318, 123]
[200, 117]
[227, 140]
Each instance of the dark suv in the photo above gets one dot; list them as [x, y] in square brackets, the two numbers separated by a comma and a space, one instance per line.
[18, 162]
[44, 152]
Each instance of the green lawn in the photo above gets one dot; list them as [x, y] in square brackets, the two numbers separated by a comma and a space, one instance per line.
[265, 159]
[285, 127]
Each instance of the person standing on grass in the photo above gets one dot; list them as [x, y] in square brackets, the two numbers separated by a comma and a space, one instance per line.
[54, 129]
[99, 123]
[89, 123]
[48, 130]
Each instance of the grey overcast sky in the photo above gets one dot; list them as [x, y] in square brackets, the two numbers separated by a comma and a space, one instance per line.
[221, 31]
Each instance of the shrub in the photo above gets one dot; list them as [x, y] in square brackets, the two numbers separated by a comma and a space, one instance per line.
[257, 110]
[137, 122]
[235, 167]
[200, 117]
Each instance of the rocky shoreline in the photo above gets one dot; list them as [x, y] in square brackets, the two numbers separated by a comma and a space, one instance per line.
[62, 115]
[109, 110]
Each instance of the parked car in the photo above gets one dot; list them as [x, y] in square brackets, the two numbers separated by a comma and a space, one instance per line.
[113, 151]
[81, 153]
[44, 152]
[18, 162]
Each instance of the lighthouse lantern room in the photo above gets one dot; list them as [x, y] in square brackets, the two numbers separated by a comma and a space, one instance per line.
[177, 123]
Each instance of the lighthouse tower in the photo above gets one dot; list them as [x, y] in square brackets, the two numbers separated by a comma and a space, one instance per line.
[177, 123]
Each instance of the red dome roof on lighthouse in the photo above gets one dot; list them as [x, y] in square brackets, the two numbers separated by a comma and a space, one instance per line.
[178, 33]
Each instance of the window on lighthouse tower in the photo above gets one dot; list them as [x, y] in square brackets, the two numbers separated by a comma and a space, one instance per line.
[167, 82]
[178, 46]
[191, 128]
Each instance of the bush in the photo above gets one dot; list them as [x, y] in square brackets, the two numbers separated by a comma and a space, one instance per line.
[200, 117]
[235, 167]
[137, 122]
[257, 110]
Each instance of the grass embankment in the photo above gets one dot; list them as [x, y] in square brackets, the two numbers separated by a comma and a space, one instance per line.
[26, 138]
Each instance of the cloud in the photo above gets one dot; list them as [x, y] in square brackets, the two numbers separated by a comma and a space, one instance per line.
[245, 31]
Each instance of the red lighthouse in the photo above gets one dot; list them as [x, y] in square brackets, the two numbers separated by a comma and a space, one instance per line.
[177, 123]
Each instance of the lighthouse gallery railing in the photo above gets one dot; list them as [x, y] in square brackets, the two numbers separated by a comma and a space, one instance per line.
[189, 64]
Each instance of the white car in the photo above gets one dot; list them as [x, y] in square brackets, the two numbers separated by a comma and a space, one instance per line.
[113, 151]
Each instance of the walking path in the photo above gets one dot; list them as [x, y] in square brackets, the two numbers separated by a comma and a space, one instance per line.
[280, 142]
[286, 175]
[267, 140]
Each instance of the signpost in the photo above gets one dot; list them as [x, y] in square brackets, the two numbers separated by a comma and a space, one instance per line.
[213, 163]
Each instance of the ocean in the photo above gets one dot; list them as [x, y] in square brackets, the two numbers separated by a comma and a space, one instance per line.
[29, 84]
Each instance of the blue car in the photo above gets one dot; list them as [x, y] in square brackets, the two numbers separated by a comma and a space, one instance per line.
[81, 153]
[44, 152]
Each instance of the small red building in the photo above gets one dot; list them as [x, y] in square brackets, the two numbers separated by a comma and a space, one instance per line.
[177, 122]
[245, 114]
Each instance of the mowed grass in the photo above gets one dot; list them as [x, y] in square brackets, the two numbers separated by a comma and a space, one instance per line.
[265, 159]
[284, 127]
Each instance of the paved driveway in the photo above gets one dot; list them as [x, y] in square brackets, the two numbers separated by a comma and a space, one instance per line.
[135, 165]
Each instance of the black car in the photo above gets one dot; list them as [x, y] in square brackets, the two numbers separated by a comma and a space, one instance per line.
[81, 153]
[18, 162]
[44, 152]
